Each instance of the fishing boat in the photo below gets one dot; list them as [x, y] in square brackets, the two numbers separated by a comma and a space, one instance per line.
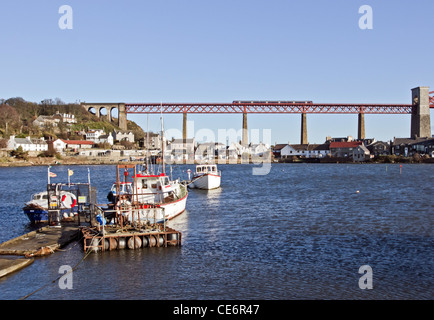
[150, 190]
[37, 208]
[138, 198]
[206, 177]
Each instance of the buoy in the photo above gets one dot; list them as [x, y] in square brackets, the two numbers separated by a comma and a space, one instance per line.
[110, 244]
[145, 242]
[122, 243]
[152, 241]
[69, 201]
[357, 191]
[160, 240]
[134, 242]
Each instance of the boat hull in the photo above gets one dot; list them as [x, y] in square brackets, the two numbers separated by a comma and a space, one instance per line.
[36, 215]
[207, 182]
[172, 209]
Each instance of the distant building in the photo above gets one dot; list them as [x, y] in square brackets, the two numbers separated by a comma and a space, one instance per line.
[123, 135]
[259, 149]
[408, 147]
[45, 121]
[277, 149]
[154, 141]
[27, 144]
[94, 134]
[342, 139]
[57, 145]
[379, 148]
[236, 150]
[78, 144]
[181, 146]
[105, 138]
[99, 136]
[210, 150]
[354, 150]
[66, 118]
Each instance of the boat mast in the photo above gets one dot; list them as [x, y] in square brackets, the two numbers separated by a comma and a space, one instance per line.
[147, 146]
[162, 136]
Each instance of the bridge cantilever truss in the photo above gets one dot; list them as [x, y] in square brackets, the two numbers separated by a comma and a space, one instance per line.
[267, 108]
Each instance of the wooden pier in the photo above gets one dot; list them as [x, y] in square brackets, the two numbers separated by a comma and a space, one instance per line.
[41, 242]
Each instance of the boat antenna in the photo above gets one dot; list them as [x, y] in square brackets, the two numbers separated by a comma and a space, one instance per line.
[147, 145]
[162, 136]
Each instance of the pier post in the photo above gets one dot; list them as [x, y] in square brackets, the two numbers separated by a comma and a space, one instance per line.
[420, 117]
[361, 127]
[303, 139]
[122, 116]
[245, 139]
[184, 126]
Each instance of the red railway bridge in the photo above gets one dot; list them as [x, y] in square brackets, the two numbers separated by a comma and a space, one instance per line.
[419, 109]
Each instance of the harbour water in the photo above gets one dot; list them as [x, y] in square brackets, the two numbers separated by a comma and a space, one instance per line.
[300, 232]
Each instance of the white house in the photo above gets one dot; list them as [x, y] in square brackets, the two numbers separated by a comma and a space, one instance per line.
[259, 149]
[66, 117]
[94, 134]
[181, 146]
[58, 145]
[123, 135]
[305, 150]
[43, 121]
[27, 144]
[105, 138]
[236, 150]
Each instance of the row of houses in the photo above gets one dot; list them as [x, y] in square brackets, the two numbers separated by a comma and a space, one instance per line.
[54, 120]
[357, 150]
[100, 136]
[186, 149]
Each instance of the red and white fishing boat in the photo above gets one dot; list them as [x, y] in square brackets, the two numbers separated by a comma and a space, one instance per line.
[206, 177]
[149, 190]
[156, 190]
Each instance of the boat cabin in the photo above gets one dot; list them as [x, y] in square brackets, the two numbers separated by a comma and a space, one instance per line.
[125, 188]
[40, 196]
[206, 168]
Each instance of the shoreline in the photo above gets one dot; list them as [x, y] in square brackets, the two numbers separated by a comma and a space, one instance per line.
[48, 161]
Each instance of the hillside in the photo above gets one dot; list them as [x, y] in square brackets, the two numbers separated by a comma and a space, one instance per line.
[17, 116]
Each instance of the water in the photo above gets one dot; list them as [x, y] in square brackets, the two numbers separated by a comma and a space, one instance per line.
[300, 232]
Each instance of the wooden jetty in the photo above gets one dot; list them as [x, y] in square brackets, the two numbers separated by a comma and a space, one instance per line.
[9, 265]
[40, 242]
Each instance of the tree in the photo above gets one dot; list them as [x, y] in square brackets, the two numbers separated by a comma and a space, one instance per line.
[9, 117]
[19, 153]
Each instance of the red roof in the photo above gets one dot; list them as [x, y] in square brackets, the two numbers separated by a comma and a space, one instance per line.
[77, 141]
[351, 144]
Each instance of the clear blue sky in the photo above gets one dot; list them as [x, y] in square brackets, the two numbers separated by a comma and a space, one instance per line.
[220, 51]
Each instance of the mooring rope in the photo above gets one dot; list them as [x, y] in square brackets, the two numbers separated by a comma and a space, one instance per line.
[58, 278]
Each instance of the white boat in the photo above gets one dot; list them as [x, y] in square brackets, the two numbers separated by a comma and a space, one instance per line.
[206, 177]
[37, 208]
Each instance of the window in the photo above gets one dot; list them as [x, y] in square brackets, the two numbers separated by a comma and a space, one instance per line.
[144, 184]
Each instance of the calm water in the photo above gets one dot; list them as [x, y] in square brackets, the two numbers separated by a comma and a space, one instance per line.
[300, 232]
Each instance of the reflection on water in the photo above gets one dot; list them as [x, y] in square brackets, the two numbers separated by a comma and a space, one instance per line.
[300, 232]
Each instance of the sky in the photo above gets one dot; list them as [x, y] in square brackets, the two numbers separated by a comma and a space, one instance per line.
[220, 51]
